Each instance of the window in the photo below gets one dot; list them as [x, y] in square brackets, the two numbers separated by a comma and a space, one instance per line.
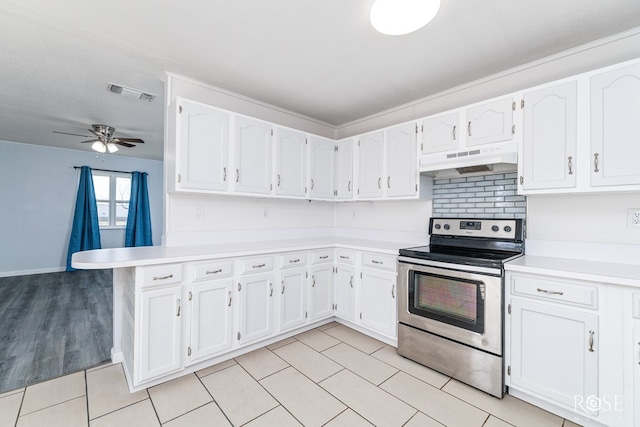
[112, 194]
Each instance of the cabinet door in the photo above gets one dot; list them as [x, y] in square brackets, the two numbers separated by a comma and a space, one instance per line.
[344, 169]
[401, 153]
[615, 109]
[253, 155]
[211, 319]
[203, 141]
[636, 373]
[291, 162]
[371, 150]
[491, 122]
[378, 301]
[440, 133]
[293, 301]
[321, 299]
[322, 161]
[160, 332]
[345, 292]
[554, 352]
[549, 138]
[256, 294]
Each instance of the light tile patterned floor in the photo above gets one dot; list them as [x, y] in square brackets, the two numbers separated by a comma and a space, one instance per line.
[331, 376]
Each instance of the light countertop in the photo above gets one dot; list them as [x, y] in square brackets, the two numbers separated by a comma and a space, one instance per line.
[149, 255]
[603, 272]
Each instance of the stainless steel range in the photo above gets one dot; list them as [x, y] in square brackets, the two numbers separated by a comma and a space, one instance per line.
[451, 298]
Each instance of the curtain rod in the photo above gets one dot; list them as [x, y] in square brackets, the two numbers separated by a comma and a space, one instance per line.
[104, 170]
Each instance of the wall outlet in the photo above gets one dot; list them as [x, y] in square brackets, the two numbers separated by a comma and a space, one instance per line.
[633, 218]
[199, 212]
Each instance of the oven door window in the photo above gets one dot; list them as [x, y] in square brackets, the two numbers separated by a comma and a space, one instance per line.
[455, 301]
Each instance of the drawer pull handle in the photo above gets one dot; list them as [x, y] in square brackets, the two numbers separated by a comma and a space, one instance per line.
[163, 277]
[344, 257]
[230, 298]
[545, 291]
[324, 257]
[591, 341]
[258, 266]
[376, 262]
[294, 260]
[214, 271]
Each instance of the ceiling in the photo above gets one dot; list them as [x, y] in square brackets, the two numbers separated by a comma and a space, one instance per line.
[319, 58]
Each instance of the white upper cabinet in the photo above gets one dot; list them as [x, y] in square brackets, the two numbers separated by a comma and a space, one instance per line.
[202, 145]
[615, 141]
[291, 162]
[344, 169]
[371, 164]
[322, 163]
[549, 137]
[401, 156]
[490, 122]
[440, 133]
[253, 155]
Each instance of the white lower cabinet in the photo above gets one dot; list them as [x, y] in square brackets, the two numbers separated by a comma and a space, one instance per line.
[160, 323]
[210, 319]
[554, 353]
[378, 301]
[321, 298]
[255, 303]
[345, 292]
[293, 298]
[635, 345]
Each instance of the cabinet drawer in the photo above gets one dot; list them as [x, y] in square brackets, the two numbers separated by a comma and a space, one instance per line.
[346, 257]
[257, 264]
[383, 262]
[293, 259]
[318, 257]
[159, 275]
[212, 270]
[563, 291]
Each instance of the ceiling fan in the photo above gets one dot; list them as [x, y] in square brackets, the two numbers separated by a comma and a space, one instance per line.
[104, 140]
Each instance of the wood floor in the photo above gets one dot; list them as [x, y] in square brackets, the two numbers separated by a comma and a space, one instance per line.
[53, 324]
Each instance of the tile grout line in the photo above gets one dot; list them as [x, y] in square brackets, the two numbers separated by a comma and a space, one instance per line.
[209, 393]
[15, 424]
[86, 395]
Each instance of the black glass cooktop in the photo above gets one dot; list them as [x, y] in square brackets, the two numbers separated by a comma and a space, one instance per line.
[465, 256]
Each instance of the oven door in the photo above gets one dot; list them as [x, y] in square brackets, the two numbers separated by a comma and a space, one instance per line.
[462, 306]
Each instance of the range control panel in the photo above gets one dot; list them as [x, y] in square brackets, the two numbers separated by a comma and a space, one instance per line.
[492, 228]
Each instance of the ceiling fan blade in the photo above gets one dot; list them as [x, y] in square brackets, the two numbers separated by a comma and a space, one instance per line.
[133, 140]
[89, 140]
[72, 134]
[124, 144]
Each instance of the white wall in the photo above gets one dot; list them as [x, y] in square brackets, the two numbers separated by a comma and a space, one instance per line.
[600, 218]
[234, 218]
[38, 188]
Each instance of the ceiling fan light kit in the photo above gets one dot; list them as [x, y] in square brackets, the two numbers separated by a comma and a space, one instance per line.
[398, 17]
[99, 147]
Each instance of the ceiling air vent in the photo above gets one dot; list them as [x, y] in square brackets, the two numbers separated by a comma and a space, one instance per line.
[129, 92]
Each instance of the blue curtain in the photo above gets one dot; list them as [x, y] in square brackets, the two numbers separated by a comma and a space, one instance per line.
[85, 233]
[138, 231]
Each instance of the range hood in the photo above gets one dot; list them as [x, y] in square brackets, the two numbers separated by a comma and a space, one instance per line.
[498, 158]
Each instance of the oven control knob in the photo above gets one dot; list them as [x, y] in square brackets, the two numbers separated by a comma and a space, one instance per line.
[437, 226]
[507, 228]
[447, 226]
[495, 228]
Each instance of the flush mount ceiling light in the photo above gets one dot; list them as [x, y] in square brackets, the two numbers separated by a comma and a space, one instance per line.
[397, 17]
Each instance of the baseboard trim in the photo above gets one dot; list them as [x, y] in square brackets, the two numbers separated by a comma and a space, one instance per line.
[29, 272]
